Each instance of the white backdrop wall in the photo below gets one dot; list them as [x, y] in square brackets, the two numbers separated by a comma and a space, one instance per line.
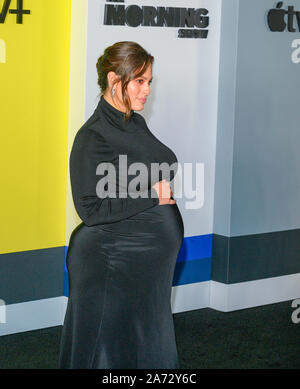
[182, 108]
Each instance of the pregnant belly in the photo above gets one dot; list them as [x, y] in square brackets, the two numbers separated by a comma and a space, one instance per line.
[145, 243]
[139, 254]
[162, 222]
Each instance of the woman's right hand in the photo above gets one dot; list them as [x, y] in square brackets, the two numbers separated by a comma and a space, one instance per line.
[164, 192]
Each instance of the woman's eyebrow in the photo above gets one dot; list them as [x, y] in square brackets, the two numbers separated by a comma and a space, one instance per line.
[145, 78]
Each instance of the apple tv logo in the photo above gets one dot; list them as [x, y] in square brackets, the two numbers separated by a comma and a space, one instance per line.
[277, 18]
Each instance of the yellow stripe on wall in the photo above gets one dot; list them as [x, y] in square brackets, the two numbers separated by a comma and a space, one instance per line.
[34, 106]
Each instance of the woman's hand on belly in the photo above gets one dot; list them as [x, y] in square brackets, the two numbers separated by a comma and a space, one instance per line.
[164, 192]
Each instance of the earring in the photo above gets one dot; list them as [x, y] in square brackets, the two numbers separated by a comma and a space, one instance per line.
[113, 91]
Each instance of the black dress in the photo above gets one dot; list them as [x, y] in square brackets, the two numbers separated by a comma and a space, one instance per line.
[121, 258]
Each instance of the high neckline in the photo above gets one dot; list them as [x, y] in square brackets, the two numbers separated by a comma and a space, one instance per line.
[116, 117]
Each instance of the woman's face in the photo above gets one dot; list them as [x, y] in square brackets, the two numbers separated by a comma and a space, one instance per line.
[138, 90]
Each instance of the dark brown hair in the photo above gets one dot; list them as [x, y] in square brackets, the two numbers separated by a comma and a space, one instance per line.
[129, 61]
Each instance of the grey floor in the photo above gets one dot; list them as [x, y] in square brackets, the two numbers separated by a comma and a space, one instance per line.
[257, 338]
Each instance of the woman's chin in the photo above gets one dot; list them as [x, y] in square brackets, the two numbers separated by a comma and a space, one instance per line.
[138, 107]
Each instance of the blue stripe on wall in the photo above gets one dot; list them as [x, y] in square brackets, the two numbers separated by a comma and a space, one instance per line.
[195, 247]
[66, 278]
[193, 262]
[66, 250]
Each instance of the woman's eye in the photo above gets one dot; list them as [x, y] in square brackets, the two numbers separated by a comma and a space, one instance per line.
[140, 81]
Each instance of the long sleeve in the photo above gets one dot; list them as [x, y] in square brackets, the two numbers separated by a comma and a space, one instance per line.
[89, 149]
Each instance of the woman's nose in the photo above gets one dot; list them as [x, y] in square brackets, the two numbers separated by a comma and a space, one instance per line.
[147, 89]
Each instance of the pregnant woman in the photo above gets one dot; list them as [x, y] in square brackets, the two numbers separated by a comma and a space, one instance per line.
[121, 258]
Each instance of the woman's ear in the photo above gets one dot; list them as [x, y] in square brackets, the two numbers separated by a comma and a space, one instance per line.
[112, 78]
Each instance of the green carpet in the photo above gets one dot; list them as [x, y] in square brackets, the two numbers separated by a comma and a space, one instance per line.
[256, 338]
